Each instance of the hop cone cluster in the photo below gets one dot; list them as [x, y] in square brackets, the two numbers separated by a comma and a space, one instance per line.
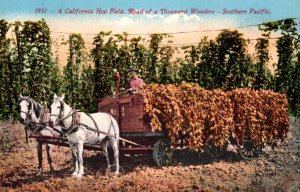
[193, 116]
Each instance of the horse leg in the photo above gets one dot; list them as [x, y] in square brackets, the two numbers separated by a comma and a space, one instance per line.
[49, 156]
[80, 158]
[104, 147]
[39, 147]
[115, 146]
[75, 158]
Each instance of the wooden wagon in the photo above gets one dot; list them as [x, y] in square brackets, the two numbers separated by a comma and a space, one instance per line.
[128, 111]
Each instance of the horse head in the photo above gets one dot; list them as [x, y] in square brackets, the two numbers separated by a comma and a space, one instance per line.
[57, 110]
[31, 110]
[25, 106]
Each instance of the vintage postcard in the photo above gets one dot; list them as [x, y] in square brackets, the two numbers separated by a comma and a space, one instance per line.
[149, 95]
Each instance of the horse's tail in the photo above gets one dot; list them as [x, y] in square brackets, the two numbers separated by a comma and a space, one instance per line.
[115, 127]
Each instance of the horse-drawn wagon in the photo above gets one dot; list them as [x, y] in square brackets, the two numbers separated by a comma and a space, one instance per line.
[136, 135]
[263, 120]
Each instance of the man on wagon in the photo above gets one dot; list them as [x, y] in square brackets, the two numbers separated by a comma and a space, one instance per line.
[134, 83]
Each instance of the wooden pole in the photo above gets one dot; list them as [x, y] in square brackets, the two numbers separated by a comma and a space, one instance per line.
[117, 82]
[117, 108]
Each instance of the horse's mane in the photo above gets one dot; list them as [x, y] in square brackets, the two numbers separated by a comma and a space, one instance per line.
[36, 108]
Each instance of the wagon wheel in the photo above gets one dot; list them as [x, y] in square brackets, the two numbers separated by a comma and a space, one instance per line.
[248, 150]
[214, 150]
[162, 153]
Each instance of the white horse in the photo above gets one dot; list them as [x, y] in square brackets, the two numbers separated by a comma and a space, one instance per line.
[35, 117]
[106, 131]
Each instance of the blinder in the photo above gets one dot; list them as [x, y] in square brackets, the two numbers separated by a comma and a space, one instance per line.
[59, 116]
[28, 113]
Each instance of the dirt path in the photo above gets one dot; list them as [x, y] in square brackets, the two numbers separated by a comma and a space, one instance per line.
[275, 170]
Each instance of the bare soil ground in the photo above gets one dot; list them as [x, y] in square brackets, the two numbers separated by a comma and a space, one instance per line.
[275, 170]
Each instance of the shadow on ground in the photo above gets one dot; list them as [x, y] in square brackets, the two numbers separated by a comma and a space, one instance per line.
[96, 164]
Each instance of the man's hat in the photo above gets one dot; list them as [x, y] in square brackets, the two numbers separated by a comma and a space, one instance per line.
[134, 69]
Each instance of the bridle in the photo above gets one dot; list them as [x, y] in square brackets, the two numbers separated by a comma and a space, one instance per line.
[27, 119]
[59, 116]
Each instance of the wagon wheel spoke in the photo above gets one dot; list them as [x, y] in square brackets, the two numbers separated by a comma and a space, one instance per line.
[248, 150]
[159, 158]
[162, 153]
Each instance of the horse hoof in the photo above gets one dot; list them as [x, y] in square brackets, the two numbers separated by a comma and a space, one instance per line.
[79, 175]
[75, 173]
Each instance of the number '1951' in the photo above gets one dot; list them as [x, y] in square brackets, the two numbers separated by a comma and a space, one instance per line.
[40, 10]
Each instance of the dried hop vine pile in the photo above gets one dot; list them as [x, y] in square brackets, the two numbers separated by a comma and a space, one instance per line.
[260, 116]
[193, 116]
[190, 114]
